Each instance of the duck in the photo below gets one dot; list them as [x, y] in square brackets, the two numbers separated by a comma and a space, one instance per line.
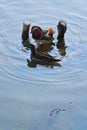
[41, 57]
[39, 34]
[62, 27]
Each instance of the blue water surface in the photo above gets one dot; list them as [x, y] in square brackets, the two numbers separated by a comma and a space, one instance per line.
[28, 95]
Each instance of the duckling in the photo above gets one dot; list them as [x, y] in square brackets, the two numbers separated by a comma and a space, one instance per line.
[39, 34]
[41, 56]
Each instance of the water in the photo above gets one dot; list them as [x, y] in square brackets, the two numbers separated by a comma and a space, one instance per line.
[29, 94]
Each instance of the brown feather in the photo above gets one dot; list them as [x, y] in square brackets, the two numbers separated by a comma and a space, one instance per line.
[42, 56]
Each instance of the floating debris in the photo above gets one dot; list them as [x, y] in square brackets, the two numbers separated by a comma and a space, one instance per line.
[57, 110]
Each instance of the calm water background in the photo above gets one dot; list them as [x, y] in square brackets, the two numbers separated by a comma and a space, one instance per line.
[27, 95]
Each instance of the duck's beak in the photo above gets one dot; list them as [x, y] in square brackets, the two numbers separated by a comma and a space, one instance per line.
[51, 31]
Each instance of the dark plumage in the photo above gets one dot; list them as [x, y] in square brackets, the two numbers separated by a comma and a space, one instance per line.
[36, 32]
[41, 56]
[39, 34]
[62, 27]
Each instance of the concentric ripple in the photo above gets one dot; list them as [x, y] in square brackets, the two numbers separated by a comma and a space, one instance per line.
[14, 60]
[29, 92]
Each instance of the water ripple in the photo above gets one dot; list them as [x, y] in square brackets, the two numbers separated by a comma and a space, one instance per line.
[14, 60]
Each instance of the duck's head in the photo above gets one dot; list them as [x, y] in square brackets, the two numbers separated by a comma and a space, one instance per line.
[36, 32]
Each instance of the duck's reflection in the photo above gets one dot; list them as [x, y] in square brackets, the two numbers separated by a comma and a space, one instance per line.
[26, 43]
[61, 46]
[40, 48]
[34, 64]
